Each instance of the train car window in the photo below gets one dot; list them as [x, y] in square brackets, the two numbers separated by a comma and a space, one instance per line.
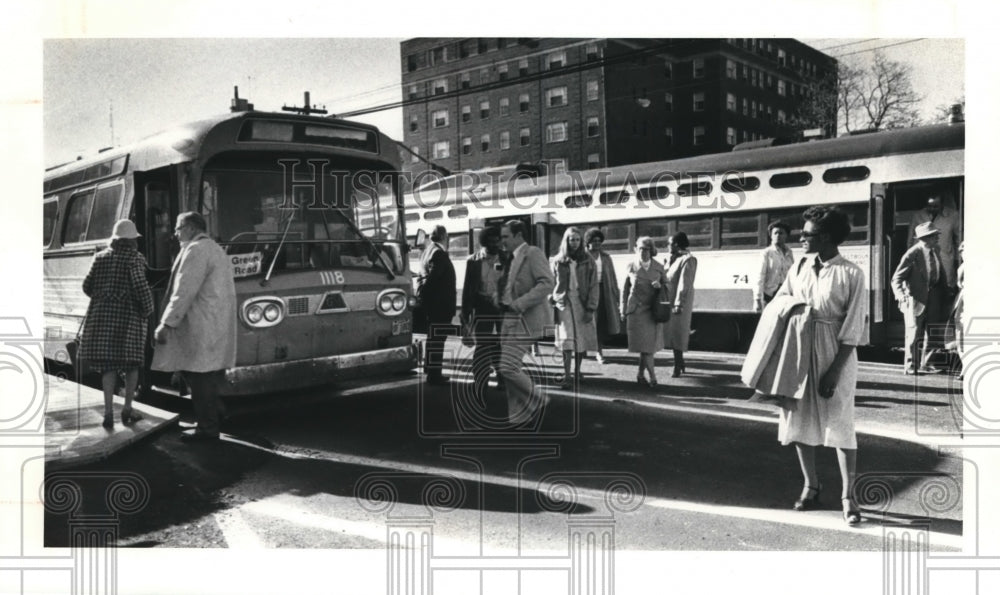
[619, 238]
[433, 215]
[699, 231]
[411, 217]
[50, 211]
[791, 179]
[700, 188]
[77, 217]
[658, 229]
[740, 231]
[105, 212]
[653, 193]
[458, 213]
[615, 197]
[740, 184]
[458, 245]
[858, 214]
[577, 201]
[790, 217]
[837, 175]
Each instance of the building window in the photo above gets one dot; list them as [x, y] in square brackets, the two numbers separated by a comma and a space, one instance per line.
[781, 116]
[414, 154]
[467, 48]
[413, 92]
[411, 63]
[753, 109]
[753, 78]
[466, 113]
[437, 56]
[593, 91]
[555, 97]
[699, 135]
[770, 114]
[745, 71]
[482, 46]
[505, 106]
[668, 70]
[746, 107]
[593, 126]
[555, 60]
[484, 143]
[730, 102]
[442, 149]
[466, 145]
[505, 140]
[525, 135]
[668, 99]
[484, 75]
[770, 82]
[414, 123]
[502, 72]
[466, 80]
[593, 160]
[593, 52]
[440, 118]
[501, 43]
[558, 165]
[524, 102]
[668, 132]
[730, 136]
[484, 109]
[781, 87]
[522, 67]
[698, 68]
[731, 69]
[699, 102]
[556, 132]
[440, 86]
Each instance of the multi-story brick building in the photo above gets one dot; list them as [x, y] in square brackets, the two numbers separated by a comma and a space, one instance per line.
[478, 103]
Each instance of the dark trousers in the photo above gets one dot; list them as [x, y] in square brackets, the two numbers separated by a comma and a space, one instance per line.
[208, 406]
[437, 334]
[486, 355]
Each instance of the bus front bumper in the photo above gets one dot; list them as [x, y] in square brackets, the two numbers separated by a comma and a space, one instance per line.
[298, 374]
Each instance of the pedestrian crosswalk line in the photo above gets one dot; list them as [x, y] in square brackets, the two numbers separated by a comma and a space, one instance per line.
[237, 532]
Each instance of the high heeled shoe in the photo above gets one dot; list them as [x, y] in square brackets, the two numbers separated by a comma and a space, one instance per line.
[641, 380]
[652, 382]
[129, 416]
[852, 516]
[808, 502]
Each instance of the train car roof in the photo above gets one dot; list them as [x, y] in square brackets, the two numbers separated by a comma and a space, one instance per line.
[941, 137]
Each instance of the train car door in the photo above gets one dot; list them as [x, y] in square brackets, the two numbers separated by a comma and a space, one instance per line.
[881, 247]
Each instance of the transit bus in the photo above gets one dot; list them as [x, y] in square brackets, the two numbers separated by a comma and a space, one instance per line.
[308, 208]
[724, 203]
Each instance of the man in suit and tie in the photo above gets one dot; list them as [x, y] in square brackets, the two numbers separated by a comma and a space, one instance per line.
[436, 299]
[945, 220]
[919, 284]
[523, 299]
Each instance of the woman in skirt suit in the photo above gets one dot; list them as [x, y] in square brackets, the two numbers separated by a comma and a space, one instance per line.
[681, 268]
[643, 281]
[113, 338]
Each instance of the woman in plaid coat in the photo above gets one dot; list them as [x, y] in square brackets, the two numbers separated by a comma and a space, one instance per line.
[113, 338]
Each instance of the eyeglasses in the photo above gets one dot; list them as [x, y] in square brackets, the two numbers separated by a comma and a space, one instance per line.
[810, 234]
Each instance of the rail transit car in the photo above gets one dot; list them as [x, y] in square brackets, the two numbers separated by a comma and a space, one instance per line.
[724, 203]
[308, 208]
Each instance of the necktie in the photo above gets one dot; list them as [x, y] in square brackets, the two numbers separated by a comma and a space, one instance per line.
[933, 267]
[502, 282]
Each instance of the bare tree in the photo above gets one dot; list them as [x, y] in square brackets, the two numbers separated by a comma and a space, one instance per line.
[877, 96]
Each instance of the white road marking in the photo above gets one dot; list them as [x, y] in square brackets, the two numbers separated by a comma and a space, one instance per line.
[236, 530]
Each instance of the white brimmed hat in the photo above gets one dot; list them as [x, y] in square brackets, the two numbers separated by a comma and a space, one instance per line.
[124, 229]
[925, 229]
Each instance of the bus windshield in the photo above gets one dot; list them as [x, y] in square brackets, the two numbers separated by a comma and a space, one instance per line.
[353, 224]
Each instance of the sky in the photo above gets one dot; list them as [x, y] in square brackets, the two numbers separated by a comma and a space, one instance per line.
[91, 95]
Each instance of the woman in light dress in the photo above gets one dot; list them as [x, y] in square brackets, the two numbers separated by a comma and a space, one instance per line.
[681, 268]
[644, 278]
[823, 414]
[575, 299]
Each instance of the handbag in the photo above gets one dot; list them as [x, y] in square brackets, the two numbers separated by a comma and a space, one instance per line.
[661, 305]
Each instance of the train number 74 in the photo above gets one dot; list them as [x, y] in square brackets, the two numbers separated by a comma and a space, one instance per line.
[737, 279]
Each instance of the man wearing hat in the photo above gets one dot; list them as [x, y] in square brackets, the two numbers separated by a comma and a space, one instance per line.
[919, 284]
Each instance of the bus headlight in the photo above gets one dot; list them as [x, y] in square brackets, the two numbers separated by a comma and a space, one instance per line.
[391, 302]
[262, 312]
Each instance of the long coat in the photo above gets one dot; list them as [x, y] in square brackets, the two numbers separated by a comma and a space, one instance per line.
[436, 292]
[113, 336]
[645, 335]
[586, 273]
[200, 311]
[531, 283]
[609, 293]
[680, 292]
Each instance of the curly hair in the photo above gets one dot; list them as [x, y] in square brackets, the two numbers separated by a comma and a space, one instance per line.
[778, 225]
[681, 240]
[592, 234]
[831, 221]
